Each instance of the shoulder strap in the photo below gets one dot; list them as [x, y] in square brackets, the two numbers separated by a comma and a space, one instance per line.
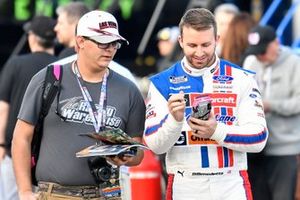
[50, 89]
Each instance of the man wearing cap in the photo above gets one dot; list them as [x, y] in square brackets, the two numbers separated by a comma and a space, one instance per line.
[14, 79]
[92, 98]
[68, 17]
[273, 172]
[167, 40]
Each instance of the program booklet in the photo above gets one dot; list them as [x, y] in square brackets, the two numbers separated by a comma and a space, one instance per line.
[113, 142]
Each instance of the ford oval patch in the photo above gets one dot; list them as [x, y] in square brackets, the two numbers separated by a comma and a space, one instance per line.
[223, 78]
[253, 95]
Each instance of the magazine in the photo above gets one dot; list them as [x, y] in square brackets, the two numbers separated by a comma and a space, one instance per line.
[110, 150]
[112, 136]
[113, 142]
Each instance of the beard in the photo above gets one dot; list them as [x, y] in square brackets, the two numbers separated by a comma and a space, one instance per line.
[208, 61]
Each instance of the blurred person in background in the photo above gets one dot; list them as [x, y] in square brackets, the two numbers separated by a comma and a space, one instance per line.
[68, 16]
[224, 13]
[273, 172]
[236, 40]
[167, 39]
[14, 79]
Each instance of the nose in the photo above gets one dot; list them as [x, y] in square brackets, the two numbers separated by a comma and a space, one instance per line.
[199, 51]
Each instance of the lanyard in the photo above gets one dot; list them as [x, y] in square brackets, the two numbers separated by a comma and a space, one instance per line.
[98, 116]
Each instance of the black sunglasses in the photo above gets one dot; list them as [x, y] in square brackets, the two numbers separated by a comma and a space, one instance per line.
[115, 44]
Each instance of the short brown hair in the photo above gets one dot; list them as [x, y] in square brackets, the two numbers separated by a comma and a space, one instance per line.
[198, 19]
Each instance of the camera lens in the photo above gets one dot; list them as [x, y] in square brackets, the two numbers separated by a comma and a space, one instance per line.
[104, 173]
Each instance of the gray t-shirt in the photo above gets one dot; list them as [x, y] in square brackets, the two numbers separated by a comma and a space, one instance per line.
[57, 161]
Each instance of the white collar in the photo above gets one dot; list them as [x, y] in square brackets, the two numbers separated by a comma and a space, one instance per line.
[198, 72]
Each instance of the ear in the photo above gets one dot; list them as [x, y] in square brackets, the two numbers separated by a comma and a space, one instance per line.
[79, 42]
[180, 40]
[217, 38]
[32, 41]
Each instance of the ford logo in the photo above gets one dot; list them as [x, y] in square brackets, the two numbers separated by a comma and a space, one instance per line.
[253, 95]
[223, 78]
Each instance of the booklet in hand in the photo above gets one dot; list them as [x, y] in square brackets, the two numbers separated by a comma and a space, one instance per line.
[113, 142]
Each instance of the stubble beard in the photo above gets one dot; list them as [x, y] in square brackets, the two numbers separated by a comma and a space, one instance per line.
[209, 62]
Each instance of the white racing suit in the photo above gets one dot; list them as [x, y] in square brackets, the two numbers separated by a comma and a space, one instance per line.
[214, 168]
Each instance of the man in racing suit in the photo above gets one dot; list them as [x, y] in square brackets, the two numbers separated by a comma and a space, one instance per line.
[206, 159]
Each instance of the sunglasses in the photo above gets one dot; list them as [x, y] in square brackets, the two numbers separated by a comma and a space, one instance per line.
[115, 44]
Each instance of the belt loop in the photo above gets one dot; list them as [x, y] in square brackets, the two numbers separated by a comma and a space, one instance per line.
[50, 187]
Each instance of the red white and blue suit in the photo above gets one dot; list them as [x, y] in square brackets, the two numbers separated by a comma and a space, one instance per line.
[214, 168]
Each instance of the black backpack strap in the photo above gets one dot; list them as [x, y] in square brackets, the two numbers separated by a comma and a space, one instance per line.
[50, 89]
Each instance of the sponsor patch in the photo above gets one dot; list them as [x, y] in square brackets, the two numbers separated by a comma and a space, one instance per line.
[222, 87]
[222, 78]
[182, 139]
[187, 138]
[218, 99]
[252, 95]
[179, 79]
[194, 140]
[150, 114]
[256, 90]
[207, 174]
[225, 118]
[258, 104]
[213, 70]
[261, 115]
[180, 88]
[149, 107]
[224, 115]
[226, 99]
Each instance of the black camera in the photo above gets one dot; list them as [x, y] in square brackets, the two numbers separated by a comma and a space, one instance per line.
[101, 170]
